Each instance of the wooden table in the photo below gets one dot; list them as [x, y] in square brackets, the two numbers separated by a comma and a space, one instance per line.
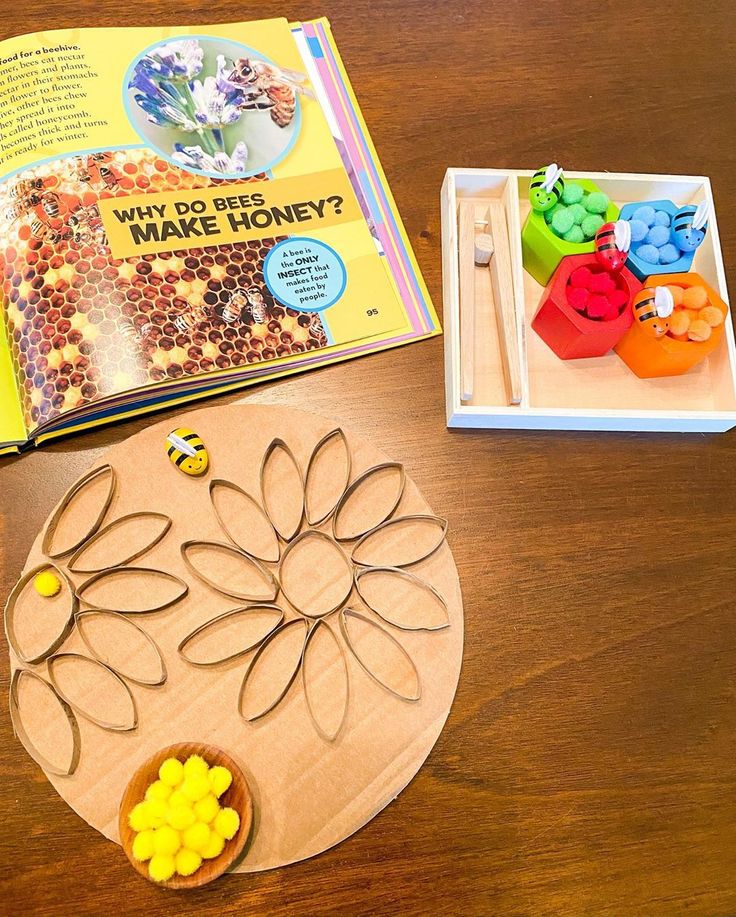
[589, 763]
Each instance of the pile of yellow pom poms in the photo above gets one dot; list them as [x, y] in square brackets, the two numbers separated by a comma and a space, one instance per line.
[180, 821]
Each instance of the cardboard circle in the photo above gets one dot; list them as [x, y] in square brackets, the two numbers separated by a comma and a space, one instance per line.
[309, 793]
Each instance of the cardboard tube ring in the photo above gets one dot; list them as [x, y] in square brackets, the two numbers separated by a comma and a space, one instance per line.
[128, 559]
[292, 678]
[330, 737]
[163, 574]
[337, 432]
[19, 729]
[352, 613]
[222, 483]
[313, 533]
[241, 609]
[415, 517]
[67, 628]
[92, 612]
[267, 575]
[352, 489]
[275, 444]
[103, 724]
[68, 498]
[409, 577]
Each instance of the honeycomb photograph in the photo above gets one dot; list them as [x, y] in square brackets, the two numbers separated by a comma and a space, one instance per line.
[85, 326]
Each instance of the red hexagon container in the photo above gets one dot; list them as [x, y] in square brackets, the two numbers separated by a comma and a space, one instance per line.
[570, 334]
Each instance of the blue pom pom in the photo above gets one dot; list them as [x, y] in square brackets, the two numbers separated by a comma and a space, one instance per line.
[669, 253]
[658, 236]
[645, 214]
[639, 230]
[661, 218]
[648, 253]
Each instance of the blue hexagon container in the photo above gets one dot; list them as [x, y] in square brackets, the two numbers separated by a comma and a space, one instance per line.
[643, 269]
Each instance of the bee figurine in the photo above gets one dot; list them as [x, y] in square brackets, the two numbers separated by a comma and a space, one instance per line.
[689, 226]
[187, 451]
[652, 309]
[546, 187]
[612, 244]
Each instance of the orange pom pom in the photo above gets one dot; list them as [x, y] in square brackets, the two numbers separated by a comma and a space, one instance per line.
[712, 315]
[679, 322]
[677, 293]
[699, 330]
[680, 337]
[695, 298]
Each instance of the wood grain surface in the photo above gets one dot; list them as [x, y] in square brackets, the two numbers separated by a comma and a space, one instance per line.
[588, 764]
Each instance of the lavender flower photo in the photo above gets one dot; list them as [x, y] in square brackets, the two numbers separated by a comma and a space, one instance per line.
[215, 106]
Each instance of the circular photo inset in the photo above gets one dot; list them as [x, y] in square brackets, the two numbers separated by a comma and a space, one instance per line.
[214, 106]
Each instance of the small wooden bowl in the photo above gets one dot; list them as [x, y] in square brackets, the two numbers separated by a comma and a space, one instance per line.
[237, 796]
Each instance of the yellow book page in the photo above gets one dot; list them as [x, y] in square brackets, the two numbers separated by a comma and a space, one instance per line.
[12, 428]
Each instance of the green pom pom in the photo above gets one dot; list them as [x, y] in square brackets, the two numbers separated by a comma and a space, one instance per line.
[596, 202]
[579, 213]
[548, 214]
[562, 221]
[574, 234]
[591, 224]
[572, 193]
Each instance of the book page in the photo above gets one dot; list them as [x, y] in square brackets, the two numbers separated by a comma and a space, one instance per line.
[173, 206]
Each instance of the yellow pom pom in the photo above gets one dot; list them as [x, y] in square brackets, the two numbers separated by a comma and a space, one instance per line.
[158, 790]
[143, 845]
[227, 822]
[206, 809]
[195, 766]
[138, 817]
[155, 812]
[180, 817]
[214, 847]
[177, 798]
[171, 772]
[161, 867]
[220, 779]
[196, 837]
[187, 862]
[195, 787]
[46, 583]
[166, 840]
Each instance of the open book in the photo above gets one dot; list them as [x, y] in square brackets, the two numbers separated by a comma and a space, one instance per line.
[185, 211]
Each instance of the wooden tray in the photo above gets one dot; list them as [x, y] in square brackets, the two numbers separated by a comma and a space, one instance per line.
[593, 394]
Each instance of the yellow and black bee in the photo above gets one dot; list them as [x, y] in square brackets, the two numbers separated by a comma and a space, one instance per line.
[187, 451]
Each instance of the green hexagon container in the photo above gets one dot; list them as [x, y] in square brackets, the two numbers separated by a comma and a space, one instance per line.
[542, 250]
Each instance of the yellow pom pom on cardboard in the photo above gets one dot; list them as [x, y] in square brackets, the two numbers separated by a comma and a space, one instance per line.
[161, 867]
[220, 779]
[46, 584]
[227, 822]
[171, 772]
[187, 861]
[143, 848]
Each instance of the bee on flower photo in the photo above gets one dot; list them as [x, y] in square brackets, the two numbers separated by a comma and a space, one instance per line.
[215, 106]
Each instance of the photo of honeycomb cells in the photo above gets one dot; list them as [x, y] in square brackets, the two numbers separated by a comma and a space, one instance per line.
[83, 325]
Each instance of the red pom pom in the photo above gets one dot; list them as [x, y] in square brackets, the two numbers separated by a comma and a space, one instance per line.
[578, 298]
[612, 313]
[598, 306]
[581, 277]
[602, 283]
[618, 298]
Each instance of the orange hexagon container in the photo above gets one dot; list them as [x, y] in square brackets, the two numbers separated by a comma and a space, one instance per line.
[649, 357]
